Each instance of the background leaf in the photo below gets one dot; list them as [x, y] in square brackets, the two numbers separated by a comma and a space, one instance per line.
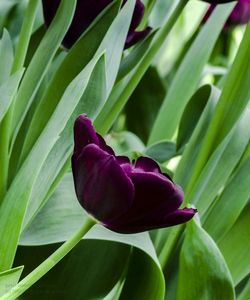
[143, 106]
[59, 218]
[13, 209]
[184, 85]
[8, 279]
[203, 272]
[235, 246]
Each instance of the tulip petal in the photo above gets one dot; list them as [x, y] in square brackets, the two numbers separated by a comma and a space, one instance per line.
[85, 13]
[180, 216]
[147, 164]
[138, 15]
[155, 198]
[84, 134]
[102, 187]
[104, 146]
[155, 221]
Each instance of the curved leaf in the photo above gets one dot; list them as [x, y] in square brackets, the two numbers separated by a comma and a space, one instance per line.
[62, 215]
[203, 272]
[235, 246]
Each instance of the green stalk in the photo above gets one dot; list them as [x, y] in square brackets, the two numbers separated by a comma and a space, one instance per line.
[49, 263]
[18, 63]
[109, 113]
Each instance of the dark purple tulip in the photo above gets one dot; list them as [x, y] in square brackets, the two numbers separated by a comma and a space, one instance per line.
[86, 12]
[125, 197]
[239, 16]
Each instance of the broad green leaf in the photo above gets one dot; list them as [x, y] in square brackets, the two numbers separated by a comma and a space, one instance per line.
[13, 208]
[192, 114]
[124, 89]
[41, 60]
[54, 166]
[35, 41]
[6, 56]
[235, 246]
[114, 42]
[236, 94]
[184, 85]
[5, 7]
[233, 102]
[9, 278]
[89, 271]
[143, 106]
[77, 58]
[220, 165]
[125, 142]
[133, 58]
[111, 107]
[61, 216]
[146, 285]
[115, 293]
[230, 203]
[162, 151]
[245, 294]
[16, 145]
[193, 147]
[203, 272]
[58, 228]
[7, 92]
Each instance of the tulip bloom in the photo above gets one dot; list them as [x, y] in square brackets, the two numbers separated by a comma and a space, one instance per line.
[85, 14]
[124, 196]
[239, 16]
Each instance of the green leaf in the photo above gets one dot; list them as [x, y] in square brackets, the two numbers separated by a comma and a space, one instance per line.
[9, 278]
[54, 166]
[133, 58]
[124, 89]
[60, 217]
[114, 42]
[149, 284]
[89, 271]
[245, 294]
[193, 147]
[51, 225]
[143, 106]
[13, 208]
[220, 165]
[233, 101]
[184, 85]
[41, 60]
[162, 152]
[203, 272]
[6, 56]
[125, 142]
[192, 114]
[77, 58]
[230, 203]
[235, 247]
[7, 92]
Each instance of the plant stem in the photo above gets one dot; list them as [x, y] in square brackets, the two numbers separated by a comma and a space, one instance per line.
[170, 244]
[5, 128]
[108, 115]
[49, 263]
